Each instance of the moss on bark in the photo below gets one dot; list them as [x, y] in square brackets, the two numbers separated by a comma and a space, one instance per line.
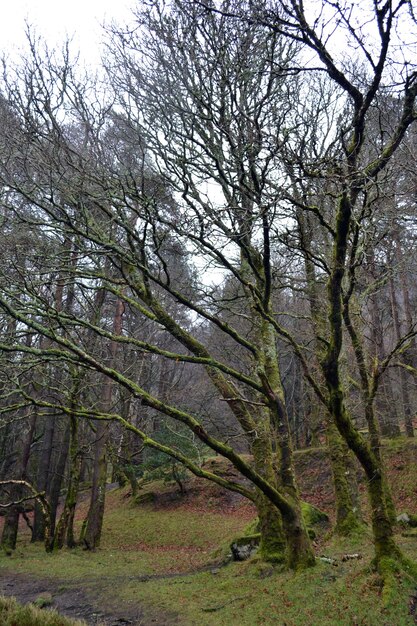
[348, 520]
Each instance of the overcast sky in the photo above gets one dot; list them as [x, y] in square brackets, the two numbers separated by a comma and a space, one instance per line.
[54, 20]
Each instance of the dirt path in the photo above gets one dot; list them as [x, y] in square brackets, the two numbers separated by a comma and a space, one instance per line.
[79, 601]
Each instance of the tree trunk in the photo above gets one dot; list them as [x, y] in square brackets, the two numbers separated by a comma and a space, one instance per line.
[65, 528]
[299, 553]
[94, 521]
[58, 477]
[348, 518]
[273, 544]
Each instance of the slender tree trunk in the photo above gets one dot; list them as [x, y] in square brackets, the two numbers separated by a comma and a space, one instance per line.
[411, 353]
[65, 527]
[58, 477]
[92, 530]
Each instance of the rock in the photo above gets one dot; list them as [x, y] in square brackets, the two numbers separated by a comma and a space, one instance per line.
[330, 560]
[43, 600]
[351, 557]
[403, 518]
[244, 547]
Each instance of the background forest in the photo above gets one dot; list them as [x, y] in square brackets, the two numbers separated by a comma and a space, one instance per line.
[208, 247]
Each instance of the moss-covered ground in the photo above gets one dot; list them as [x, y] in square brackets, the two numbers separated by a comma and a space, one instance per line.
[162, 557]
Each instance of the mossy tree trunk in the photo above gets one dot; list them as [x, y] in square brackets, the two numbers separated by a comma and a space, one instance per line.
[261, 426]
[348, 518]
[273, 543]
[299, 549]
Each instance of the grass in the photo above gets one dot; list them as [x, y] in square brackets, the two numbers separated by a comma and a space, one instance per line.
[136, 541]
[13, 614]
[172, 543]
[240, 594]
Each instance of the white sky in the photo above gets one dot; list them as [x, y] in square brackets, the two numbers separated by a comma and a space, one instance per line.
[54, 20]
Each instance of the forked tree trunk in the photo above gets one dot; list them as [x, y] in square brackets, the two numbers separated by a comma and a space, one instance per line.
[385, 545]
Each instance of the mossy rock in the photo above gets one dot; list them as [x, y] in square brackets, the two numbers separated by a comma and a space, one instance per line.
[144, 498]
[314, 516]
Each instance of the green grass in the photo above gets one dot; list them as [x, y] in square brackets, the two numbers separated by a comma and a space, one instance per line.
[136, 541]
[13, 614]
[239, 594]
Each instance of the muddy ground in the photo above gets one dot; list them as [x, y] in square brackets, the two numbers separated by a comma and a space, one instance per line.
[80, 601]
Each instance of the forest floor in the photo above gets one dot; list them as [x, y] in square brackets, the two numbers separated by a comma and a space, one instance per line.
[160, 563]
